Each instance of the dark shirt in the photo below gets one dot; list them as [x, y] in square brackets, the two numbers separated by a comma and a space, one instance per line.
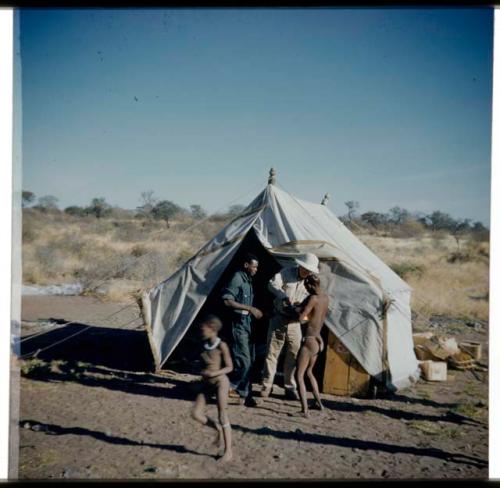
[239, 289]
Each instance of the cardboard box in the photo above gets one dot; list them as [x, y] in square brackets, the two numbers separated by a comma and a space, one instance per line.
[434, 370]
[422, 337]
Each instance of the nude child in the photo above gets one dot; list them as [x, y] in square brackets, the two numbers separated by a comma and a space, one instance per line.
[217, 364]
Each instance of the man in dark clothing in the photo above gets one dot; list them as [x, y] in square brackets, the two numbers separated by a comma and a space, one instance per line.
[238, 296]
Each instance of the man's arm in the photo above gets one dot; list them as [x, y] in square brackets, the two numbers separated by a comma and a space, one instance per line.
[229, 302]
[230, 293]
[275, 286]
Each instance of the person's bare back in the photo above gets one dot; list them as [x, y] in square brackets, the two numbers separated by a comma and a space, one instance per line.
[314, 313]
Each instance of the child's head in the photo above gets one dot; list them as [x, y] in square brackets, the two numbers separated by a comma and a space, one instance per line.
[312, 283]
[210, 326]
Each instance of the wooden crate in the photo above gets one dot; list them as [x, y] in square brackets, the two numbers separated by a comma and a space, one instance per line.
[343, 375]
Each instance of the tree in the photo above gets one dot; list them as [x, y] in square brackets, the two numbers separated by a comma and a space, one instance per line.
[165, 210]
[75, 211]
[375, 219]
[197, 212]
[99, 207]
[459, 228]
[352, 207]
[398, 215]
[478, 227]
[28, 197]
[148, 203]
[47, 202]
[480, 232]
[439, 221]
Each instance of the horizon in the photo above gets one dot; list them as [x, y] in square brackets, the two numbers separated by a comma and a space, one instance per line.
[413, 213]
[387, 107]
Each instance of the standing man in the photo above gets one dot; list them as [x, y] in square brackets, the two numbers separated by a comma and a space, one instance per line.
[284, 327]
[238, 296]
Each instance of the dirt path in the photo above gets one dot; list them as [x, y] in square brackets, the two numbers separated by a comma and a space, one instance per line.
[88, 411]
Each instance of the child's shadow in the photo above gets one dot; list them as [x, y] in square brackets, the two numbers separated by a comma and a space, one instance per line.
[52, 429]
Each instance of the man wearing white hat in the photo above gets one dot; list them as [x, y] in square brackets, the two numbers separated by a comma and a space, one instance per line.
[284, 329]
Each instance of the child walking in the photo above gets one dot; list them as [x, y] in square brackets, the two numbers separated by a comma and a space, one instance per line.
[217, 364]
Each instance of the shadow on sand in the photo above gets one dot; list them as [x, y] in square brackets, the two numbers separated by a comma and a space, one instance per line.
[52, 429]
[121, 360]
[116, 359]
[365, 445]
[125, 349]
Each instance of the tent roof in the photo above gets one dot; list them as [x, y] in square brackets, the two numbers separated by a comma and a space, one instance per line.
[286, 218]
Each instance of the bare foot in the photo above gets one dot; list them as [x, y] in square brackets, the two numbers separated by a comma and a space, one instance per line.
[304, 414]
[228, 455]
[218, 440]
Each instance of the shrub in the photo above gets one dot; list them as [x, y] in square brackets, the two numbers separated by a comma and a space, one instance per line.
[183, 256]
[47, 258]
[405, 269]
[138, 251]
[128, 231]
[410, 228]
[459, 257]
[29, 234]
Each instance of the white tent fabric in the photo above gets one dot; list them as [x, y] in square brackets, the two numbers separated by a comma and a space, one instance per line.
[369, 303]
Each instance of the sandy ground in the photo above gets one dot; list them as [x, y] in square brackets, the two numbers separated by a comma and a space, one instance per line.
[97, 413]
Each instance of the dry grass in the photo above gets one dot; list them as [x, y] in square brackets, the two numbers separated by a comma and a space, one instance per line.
[444, 286]
[435, 429]
[123, 255]
[114, 256]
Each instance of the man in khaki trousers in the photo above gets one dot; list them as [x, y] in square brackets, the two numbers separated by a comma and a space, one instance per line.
[284, 330]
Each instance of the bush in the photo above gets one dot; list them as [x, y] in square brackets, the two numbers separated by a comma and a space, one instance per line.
[183, 256]
[405, 269]
[71, 244]
[459, 257]
[29, 234]
[138, 251]
[128, 231]
[409, 228]
[47, 258]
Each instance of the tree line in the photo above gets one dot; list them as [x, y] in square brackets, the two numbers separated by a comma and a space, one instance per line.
[150, 207]
[435, 221]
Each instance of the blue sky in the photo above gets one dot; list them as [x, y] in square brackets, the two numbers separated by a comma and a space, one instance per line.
[383, 106]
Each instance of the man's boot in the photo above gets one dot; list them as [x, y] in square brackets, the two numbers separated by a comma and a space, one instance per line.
[266, 391]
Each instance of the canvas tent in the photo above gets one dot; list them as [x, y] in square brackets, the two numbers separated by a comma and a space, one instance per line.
[369, 303]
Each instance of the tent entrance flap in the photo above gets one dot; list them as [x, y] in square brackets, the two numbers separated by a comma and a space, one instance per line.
[186, 350]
